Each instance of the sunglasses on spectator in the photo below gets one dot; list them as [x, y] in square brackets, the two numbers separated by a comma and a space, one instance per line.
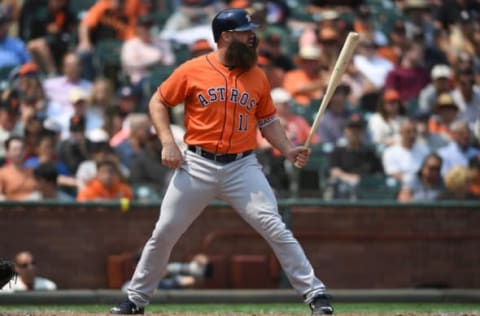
[25, 265]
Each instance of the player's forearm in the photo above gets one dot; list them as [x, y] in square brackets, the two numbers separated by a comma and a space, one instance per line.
[275, 134]
[161, 120]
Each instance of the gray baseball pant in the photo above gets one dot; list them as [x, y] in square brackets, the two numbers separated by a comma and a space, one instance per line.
[243, 185]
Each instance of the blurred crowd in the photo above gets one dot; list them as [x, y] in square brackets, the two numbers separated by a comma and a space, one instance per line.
[404, 124]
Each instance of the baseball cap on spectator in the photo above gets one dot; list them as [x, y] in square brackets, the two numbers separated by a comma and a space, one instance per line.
[78, 95]
[28, 69]
[125, 92]
[77, 123]
[280, 95]
[391, 95]
[309, 53]
[440, 71]
[10, 101]
[355, 121]
[445, 101]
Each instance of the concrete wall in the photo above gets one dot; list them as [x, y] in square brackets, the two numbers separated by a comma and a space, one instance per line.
[349, 245]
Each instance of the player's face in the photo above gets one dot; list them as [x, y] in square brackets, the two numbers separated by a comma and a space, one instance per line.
[242, 49]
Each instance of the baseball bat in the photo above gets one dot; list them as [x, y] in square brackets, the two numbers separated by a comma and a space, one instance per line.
[341, 64]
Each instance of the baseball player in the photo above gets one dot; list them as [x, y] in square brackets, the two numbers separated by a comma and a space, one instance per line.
[226, 98]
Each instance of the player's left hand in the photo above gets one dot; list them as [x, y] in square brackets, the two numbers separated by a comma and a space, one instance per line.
[299, 155]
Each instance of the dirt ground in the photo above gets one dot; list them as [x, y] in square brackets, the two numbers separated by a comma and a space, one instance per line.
[233, 314]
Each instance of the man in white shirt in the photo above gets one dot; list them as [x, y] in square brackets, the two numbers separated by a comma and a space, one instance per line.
[59, 89]
[374, 67]
[403, 160]
[27, 279]
[459, 151]
[467, 97]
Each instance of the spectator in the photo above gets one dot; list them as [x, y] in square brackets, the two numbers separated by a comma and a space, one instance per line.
[46, 176]
[271, 46]
[427, 185]
[305, 83]
[59, 90]
[458, 180]
[140, 55]
[101, 100]
[48, 30]
[384, 125]
[467, 96]
[12, 50]
[398, 43]
[374, 67]
[106, 185]
[87, 169]
[433, 141]
[403, 160]
[9, 117]
[441, 76]
[331, 126]
[190, 21]
[108, 19]
[139, 130]
[45, 152]
[75, 149]
[16, 181]
[296, 129]
[348, 162]
[182, 275]
[26, 80]
[445, 111]
[458, 151]
[27, 278]
[147, 171]
[474, 165]
[409, 76]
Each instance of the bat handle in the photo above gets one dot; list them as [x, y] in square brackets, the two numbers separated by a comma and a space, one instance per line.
[306, 145]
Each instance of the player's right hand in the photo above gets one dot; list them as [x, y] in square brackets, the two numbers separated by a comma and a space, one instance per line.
[172, 156]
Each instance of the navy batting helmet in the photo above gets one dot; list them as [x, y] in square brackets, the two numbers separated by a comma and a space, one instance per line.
[231, 20]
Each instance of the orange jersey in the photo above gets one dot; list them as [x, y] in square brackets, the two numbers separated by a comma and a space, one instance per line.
[121, 23]
[222, 107]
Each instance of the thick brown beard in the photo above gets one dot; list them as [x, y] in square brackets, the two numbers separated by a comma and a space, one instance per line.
[241, 55]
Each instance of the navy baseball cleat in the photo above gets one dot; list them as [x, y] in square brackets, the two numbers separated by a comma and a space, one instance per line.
[320, 305]
[127, 307]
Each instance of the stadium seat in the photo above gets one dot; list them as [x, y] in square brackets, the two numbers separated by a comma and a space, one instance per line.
[377, 187]
[107, 59]
[156, 77]
[311, 179]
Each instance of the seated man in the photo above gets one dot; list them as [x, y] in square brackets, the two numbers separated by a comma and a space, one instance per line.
[349, 161]
[27, 279]
[106, 185]
[16, 181]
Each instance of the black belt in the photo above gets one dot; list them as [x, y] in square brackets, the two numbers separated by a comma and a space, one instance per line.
[222, 158]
